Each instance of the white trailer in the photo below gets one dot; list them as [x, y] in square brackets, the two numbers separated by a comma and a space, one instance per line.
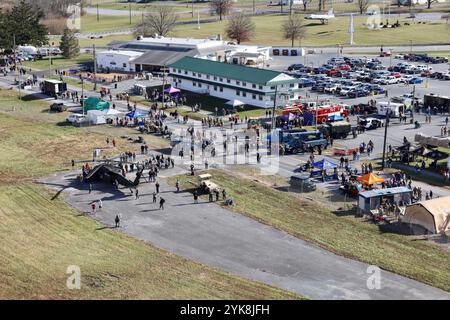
[395, 108]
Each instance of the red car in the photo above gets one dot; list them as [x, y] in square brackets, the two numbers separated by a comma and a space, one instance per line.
[344, 67]
[332, 72]
[396, 74]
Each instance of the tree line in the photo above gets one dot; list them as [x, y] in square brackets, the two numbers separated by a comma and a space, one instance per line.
[21, 25]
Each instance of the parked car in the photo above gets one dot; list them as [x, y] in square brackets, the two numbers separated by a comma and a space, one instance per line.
[415, 81]
[75, 117]
[359, 92]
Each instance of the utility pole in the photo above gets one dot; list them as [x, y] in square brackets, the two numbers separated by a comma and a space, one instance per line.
[129, 10]
[95, 68]
[82, 93]
[15, 64]
[163, 85]
[50, 60]
[274, 107]
[254, 7]
[98, 15]
[317, 110]
[388, 112]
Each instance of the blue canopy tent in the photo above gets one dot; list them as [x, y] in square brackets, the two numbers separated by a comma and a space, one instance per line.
[324, 164]
[135, 114]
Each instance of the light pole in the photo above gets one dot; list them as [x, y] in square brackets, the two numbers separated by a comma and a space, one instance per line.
[82, 93]
[385, 136]
[95, 68]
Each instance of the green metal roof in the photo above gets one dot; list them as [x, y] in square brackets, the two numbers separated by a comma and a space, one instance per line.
[226, 70]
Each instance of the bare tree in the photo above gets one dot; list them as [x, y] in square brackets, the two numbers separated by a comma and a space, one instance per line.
[293, 28]
[221, 7]
[161, 22]
[362, 5]
[429, 2]
[306, 3]
[240, 28]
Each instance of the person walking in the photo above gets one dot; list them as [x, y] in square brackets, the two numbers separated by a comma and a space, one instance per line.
[177, 185]
[195, 197]
[161, 203]
[210, 196]
[100, 204]
[224, 194]
[137, 193]
[93, 207]
[157, 187]
[154, 197]
[90, 188]
[117, 221]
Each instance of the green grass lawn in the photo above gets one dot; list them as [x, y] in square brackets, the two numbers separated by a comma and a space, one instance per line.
[58, 62]
[343, 235]
[89, 22]
[41, 235]
[268, 31]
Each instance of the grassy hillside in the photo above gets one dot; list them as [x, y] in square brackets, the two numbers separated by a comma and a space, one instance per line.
[42, 236]
[344, 235]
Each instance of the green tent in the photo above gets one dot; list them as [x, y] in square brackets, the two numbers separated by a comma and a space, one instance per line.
[93, 103]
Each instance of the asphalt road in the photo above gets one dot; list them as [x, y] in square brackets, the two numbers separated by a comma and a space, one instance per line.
[218, 237]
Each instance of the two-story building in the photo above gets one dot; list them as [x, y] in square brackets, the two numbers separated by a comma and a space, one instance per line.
[252, 86]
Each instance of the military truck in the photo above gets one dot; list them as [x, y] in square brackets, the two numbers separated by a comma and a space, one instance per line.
[301, 141]
[336, 129]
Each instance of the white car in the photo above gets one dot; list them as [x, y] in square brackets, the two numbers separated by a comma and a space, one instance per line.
[345, 90]
[399, 56]
[391, 80]
[75, 117]
[330, 88]
[424, 67]
[405, 78]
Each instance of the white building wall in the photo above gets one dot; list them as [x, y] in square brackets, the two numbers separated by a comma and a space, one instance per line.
[115, 61]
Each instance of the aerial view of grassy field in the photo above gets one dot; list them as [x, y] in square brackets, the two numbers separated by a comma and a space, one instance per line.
[42, 235]
[334, 231]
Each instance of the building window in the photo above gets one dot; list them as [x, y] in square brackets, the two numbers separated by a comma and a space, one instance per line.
[194, 74]
[238, 83]
[185, 72]
[199, 85]
[221, 89]
[179, 70]
[199, 75]
[215, 88]
[215, 78]
[254, 96]
[228, 81]
[260, 87]
[244, 84]
[253, 85]
[124, 65]
[272, 88]
[260, 97]
[194, 83]
[221, 79]
[291, 85]
[244, 94]
[207, 76]
[238, 93]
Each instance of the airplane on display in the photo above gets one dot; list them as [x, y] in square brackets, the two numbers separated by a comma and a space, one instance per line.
[322, 17]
